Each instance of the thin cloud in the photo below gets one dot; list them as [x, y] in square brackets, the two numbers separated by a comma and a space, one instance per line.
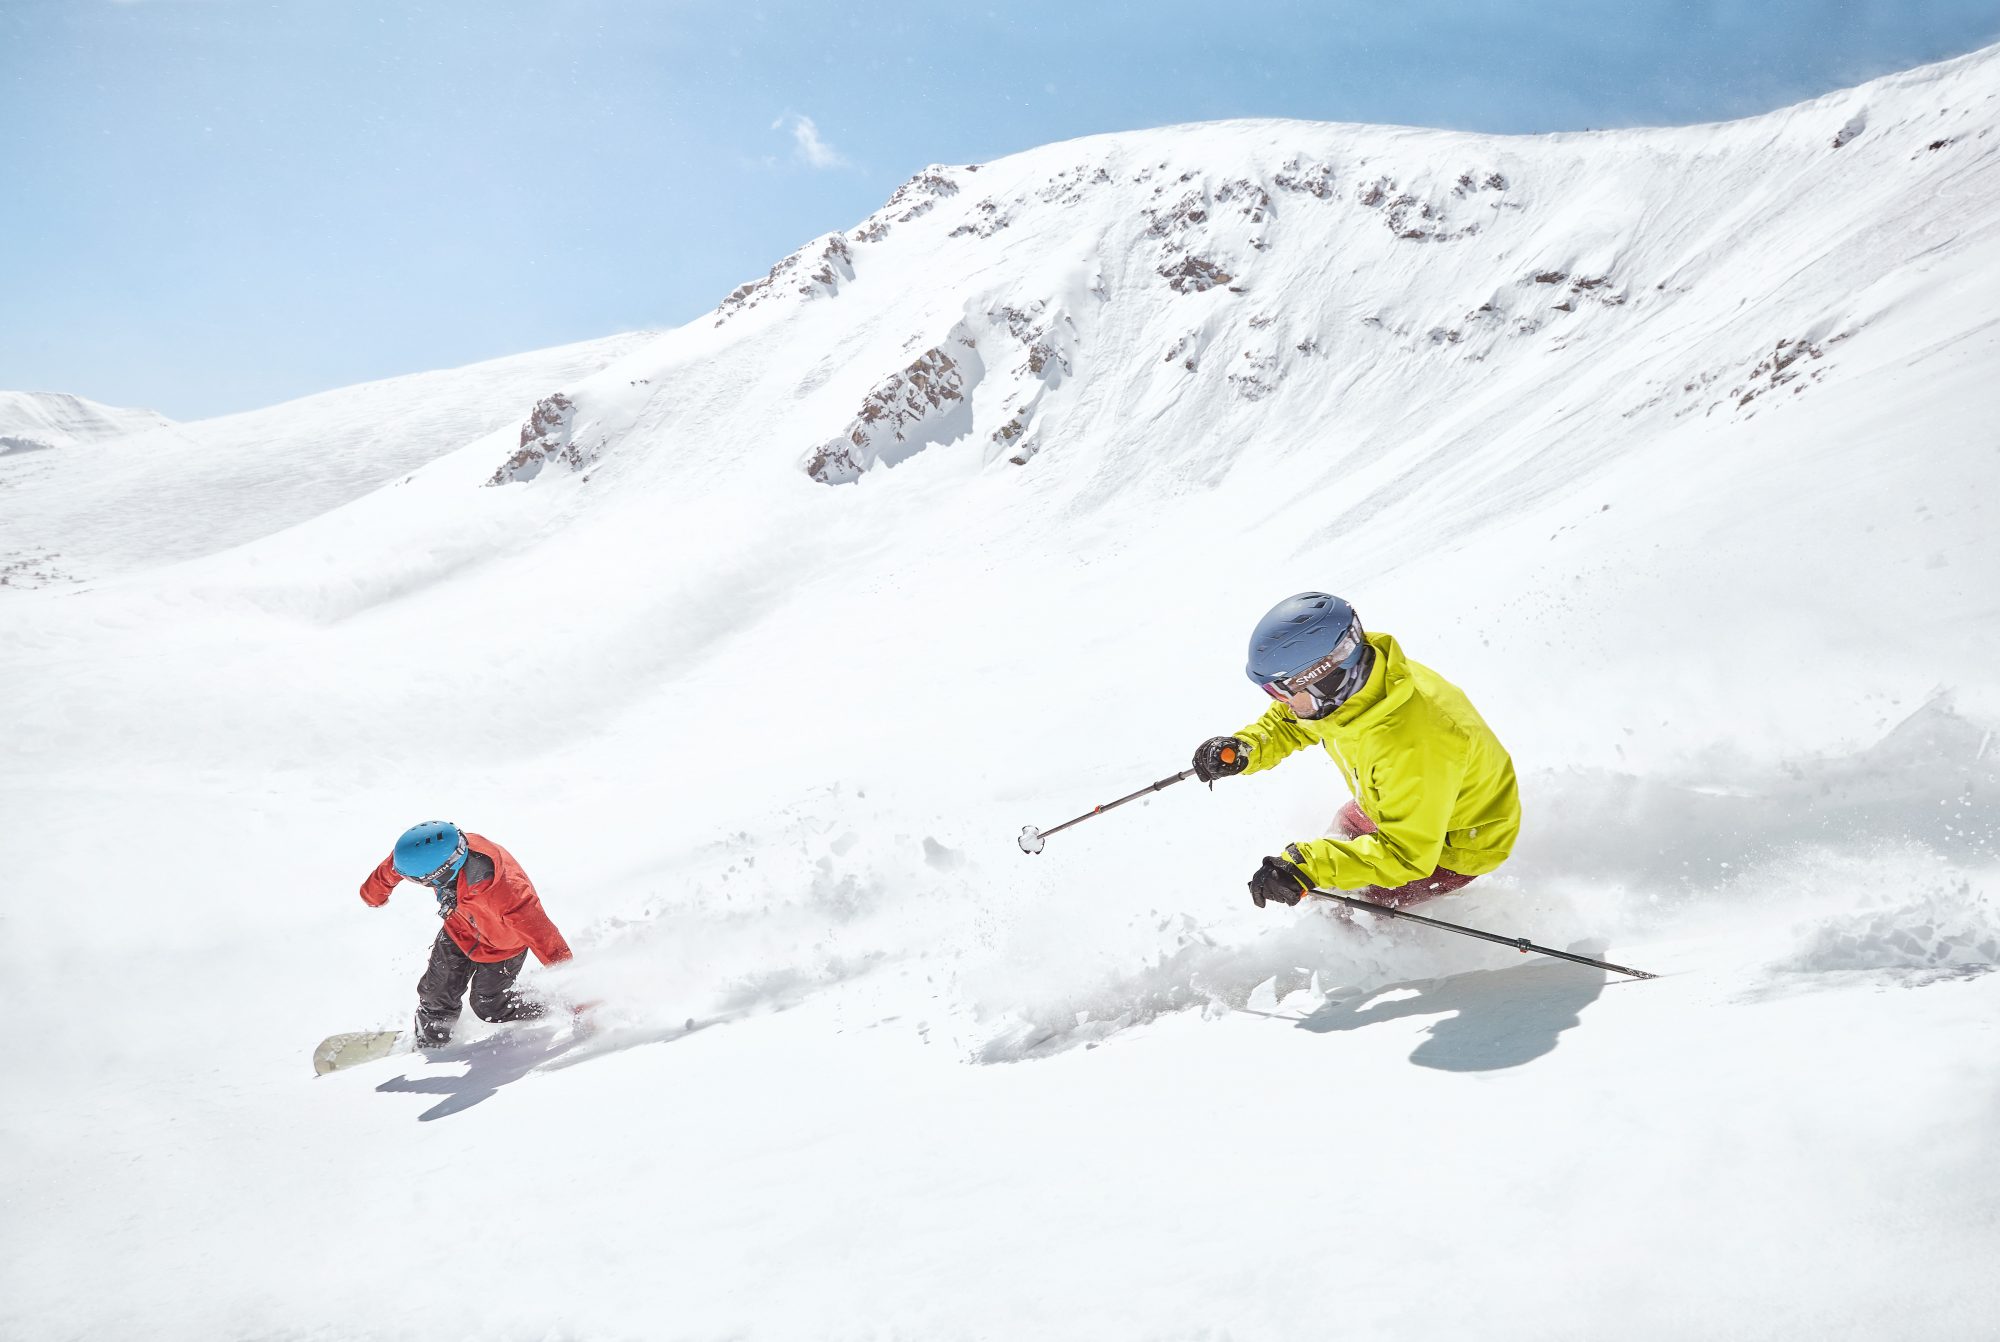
[807, 146]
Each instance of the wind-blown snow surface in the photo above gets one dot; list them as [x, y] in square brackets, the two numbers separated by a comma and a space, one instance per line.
[32, 421]
[1675, 448]
[154, 490]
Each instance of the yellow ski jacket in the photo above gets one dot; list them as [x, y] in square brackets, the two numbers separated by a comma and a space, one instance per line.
[1422, 764]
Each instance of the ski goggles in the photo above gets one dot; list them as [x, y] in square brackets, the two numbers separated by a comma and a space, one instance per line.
[1302, 681]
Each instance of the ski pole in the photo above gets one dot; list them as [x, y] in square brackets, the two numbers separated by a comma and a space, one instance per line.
[1031, 838]
[1521, 944]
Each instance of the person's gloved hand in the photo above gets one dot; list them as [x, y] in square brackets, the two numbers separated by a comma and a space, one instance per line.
[1219, 757]
[1278, 880]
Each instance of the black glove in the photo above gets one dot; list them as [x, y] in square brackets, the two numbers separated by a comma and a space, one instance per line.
[1278, 880]
[1219, 757]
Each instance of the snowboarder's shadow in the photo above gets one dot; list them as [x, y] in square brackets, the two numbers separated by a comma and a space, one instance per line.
[1490, 1018]
[617, 1039]
[490, 1063]
[501, 1059]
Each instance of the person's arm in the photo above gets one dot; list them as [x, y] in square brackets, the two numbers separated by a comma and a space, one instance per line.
[375, 890]
[1409, 797]
[1272, 737]
[527, 917]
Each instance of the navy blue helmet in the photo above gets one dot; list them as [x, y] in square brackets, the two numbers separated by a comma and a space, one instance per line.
[1310, 643]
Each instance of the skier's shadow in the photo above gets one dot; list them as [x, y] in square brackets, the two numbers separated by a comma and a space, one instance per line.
[1490, 1018]
[490, 1063]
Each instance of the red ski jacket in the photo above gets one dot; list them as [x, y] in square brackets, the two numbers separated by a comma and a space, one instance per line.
[497, 918]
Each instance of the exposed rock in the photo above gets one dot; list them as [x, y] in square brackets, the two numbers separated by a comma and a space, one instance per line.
[836, 263]
[1312, 179]
[27, 570]
[1417, 221]
[1256, 377]
[1067, 187]
[911, 201]
[819, 275]
[1190, 211]
[1780, 368]
[927, 187]
[1409, 216]
[1012, 439]
[548, 436]
[1193, 275]
[905, 413]
[987, 219]
[1050, 338]
[1251, 200]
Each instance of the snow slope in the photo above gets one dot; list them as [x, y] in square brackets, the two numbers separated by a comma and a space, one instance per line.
[155, 491]
[32, 421]
[757, 642]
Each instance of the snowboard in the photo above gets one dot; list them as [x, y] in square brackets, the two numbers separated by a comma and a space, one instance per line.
[347, 1050]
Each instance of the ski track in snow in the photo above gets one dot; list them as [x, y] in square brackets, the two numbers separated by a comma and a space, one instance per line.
[1674, 448]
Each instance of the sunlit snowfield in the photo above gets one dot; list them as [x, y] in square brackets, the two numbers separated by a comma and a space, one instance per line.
[1676, 449]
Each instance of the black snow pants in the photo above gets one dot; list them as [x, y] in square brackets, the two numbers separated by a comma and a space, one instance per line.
[443, 986]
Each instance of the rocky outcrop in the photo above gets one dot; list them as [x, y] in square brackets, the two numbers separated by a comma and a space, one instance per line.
[988, 217]
[1414, 218]
[1193, 275]
[548, 437]
[911, 201]
[813, 271]
[1312, 179]
[923, 404]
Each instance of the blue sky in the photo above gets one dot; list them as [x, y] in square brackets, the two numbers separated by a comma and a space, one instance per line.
[219, 204]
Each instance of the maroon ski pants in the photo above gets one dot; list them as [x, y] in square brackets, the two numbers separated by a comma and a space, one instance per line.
[1353, 824]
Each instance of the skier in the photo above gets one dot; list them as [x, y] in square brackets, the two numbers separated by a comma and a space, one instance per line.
[1435, 803]
[492, 919]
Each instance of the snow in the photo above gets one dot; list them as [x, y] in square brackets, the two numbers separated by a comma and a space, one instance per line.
[156, 490]
[35, 421]
[1701, 523]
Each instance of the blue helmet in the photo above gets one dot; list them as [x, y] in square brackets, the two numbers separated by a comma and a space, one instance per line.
[430, 853]
[1312, 642]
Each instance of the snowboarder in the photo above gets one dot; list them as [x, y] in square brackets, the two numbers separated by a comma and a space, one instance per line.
[1435, 803]
[492, 919]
